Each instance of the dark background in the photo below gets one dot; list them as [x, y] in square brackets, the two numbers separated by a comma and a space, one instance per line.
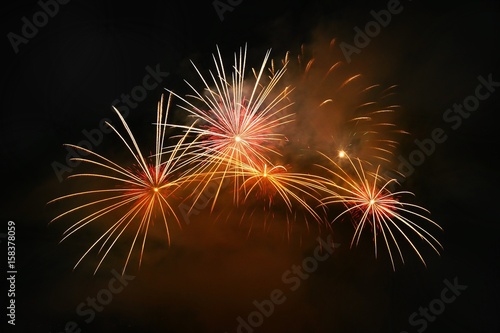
[65, 78]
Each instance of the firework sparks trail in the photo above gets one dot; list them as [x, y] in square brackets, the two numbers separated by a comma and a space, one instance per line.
[237, 136]
[237, 123]
[347, 113]
[269, 186]
[142, 192]
[366, 197]
[270, 183]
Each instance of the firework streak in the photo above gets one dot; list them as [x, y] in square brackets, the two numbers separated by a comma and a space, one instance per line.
[306, 138]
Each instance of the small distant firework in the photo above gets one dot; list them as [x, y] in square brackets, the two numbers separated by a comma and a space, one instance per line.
[368, 200]
[237, 119]
[139, 195]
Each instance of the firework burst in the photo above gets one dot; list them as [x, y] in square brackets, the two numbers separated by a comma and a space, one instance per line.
[274, 184]
[138, 194]
[266, 188]
[238, 134]
[367, 198]
[237, 120]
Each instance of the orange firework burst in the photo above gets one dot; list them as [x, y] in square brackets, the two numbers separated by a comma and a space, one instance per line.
[269, 187]
[367, 198]
[271, 183]
[238, 122]
[140, 193]
[239, 132]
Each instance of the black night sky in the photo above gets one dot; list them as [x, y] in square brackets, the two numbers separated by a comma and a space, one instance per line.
[58, 83]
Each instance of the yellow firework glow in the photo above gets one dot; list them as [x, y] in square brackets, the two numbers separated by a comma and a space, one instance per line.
[139, 195]
[367, 198]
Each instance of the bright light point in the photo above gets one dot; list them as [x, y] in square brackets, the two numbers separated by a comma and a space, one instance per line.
[372, 202]
[155, 189]
[237, 138]
[341, 154]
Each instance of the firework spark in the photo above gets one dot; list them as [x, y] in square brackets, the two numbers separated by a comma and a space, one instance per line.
[139, 193]
[273, 182]
[269, 189]
[238, 122]
[238, 133]
[367, 198]
[344, 111]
